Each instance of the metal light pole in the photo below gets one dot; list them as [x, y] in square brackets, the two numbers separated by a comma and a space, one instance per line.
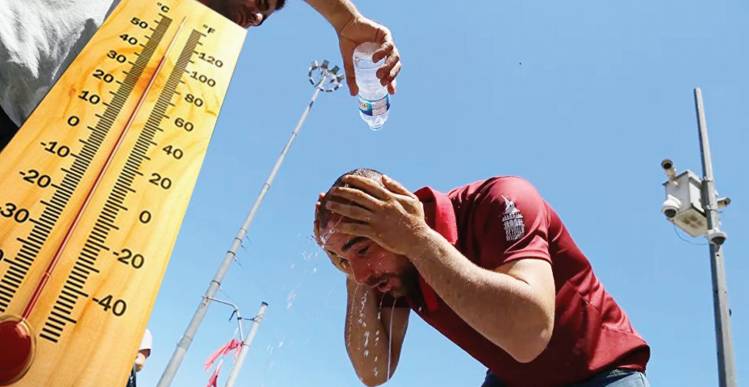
[323, 79]
[692, 205]
[726, 366]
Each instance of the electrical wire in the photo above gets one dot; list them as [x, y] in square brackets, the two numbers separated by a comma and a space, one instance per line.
[678, 234]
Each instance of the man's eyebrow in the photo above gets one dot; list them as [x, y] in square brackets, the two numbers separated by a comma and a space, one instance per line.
[352, 242]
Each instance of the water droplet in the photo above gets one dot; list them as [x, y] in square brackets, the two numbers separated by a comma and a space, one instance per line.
[307, 256]
[290, 299]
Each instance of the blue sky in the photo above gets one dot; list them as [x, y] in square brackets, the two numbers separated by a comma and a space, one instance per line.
[583, 98]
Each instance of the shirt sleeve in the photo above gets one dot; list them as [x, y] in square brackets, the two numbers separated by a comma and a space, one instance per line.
[512, 223]
[147, 340]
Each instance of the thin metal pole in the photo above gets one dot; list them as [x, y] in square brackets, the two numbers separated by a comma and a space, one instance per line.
[184, 343]
[235, 312]
[726, 366]
[246, 343]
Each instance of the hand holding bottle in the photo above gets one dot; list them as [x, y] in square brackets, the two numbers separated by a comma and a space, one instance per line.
[361, 30]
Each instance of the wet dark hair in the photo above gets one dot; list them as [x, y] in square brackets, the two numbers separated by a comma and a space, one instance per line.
[324, 215]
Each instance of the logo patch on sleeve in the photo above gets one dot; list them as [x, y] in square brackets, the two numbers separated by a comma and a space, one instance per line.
[512, 220]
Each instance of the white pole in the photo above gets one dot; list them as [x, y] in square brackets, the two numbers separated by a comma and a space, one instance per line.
[722, 313]
[184, 343]
[246, 343]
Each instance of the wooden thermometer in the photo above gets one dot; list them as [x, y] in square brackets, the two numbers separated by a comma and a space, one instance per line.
[95, 186]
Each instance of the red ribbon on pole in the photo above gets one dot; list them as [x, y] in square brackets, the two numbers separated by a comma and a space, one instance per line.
[232, 346]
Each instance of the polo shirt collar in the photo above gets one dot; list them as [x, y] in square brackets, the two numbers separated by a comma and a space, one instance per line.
[443, 221]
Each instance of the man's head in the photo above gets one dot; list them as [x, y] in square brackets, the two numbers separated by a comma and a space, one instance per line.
[360, 258]
[246, 13]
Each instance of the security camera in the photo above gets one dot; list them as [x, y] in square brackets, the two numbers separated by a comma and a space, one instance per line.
[668, 166]
[716, 236]
[670, 206]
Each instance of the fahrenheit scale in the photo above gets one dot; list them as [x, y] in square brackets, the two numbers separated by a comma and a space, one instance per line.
[95, 186]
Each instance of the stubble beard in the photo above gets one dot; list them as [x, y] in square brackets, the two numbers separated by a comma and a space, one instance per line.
[409, 284]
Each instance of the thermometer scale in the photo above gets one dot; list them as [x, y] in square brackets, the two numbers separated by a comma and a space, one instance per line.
[95, 186]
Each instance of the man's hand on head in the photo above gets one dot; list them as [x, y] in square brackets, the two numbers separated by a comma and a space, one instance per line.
[386, 213]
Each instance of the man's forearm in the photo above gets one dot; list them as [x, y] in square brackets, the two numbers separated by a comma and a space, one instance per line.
[367, 336]
[337, 12]
[516, 317]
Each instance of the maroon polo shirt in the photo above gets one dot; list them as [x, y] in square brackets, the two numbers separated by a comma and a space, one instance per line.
[503, 219]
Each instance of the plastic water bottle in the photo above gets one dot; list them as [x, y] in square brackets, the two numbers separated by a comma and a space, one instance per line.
[374, 101]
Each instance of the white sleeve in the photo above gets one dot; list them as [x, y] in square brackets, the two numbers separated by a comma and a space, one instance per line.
[38, 40]
[147, 340]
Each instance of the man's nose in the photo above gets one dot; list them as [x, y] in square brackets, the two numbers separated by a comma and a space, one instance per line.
[362, 272]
